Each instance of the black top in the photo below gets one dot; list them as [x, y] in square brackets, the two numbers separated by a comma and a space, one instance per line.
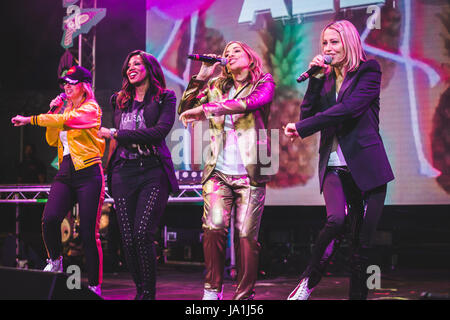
[159, 117]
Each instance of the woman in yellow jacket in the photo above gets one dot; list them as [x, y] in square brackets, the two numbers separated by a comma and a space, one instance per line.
[80, 175]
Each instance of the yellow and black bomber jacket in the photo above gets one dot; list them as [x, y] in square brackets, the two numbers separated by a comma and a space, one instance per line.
[82, 124]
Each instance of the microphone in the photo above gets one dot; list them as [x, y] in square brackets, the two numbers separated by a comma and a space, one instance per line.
[212, 60]
[305, 75]
[63, 97]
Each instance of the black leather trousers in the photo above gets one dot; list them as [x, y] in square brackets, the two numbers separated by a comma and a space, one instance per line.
[353, 214]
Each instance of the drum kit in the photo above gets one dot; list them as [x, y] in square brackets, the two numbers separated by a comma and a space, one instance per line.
[70, 228]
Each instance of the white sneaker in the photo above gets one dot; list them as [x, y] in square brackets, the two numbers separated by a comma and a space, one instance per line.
[301, 292]
[54, 265]
[96, 289]
[212, 295]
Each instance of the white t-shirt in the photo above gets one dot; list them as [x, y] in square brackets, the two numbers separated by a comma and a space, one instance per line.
[63, 138]
[229, 160]
[336, 156]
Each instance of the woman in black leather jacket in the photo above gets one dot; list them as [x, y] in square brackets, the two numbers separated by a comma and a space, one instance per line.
[140, 169]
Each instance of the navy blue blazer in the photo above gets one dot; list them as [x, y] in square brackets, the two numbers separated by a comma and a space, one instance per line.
[354, 118]
[159, 118]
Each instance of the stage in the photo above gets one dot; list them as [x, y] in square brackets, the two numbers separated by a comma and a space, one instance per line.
[409, 39]
[186, 283]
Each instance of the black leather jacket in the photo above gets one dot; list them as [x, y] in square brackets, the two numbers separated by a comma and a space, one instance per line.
[159, 119]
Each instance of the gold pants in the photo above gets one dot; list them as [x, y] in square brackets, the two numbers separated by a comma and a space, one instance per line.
[221, 193]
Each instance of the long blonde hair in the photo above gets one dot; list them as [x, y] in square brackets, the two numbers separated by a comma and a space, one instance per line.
[88, 91]
[354, 52]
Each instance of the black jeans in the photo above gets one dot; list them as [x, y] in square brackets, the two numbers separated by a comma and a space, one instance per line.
[140, 195]
[87, 187]
[351, 213]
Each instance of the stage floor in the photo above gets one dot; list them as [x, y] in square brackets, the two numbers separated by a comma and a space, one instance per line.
[186, 283]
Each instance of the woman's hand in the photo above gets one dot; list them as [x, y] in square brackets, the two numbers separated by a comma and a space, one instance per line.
[319, 61]
[20, 120]
[105, 133]
[195, 114]
[56, 104]
[291, 131]
[207, 69]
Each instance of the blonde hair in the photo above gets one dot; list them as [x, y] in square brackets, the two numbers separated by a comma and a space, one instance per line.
[351, 42]
[255, 66]
[88, 92]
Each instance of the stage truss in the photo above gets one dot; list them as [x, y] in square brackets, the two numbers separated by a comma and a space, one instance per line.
[85, 48]
[29, 194]
[38, 194]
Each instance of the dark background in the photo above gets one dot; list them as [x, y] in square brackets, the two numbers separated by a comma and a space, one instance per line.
[31, 35]
[31, 32]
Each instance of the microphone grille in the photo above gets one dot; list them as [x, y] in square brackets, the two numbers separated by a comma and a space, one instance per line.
[63, 96]
[223, 61]
[327, 59]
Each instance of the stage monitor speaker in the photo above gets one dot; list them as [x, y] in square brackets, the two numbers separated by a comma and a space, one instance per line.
[20, 284]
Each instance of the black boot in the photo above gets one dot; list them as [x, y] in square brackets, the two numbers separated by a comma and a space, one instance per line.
[358, 278]
[146, 290]
[138, 293]
[148, 295]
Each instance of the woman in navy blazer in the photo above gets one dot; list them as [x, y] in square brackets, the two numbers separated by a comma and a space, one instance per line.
[343, 103]
[140, 169]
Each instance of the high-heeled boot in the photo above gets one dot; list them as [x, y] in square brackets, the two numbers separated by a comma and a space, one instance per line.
[138, 292]
[147, 268]
[128, 244]
[358, 289]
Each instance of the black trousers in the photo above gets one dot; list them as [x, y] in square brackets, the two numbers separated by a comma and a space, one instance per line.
[140, 195]
[350, 213]
[87, 187]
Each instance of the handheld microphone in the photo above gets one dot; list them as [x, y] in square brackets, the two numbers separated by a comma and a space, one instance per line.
[305, 75]
[212, 60]
[63, 97]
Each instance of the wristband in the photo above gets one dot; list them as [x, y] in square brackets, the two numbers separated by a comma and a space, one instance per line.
[112, 133]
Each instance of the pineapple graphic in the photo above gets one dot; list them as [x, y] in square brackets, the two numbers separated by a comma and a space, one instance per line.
[388, 38]
[207, 40]
[440, 136]
[283, 52]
